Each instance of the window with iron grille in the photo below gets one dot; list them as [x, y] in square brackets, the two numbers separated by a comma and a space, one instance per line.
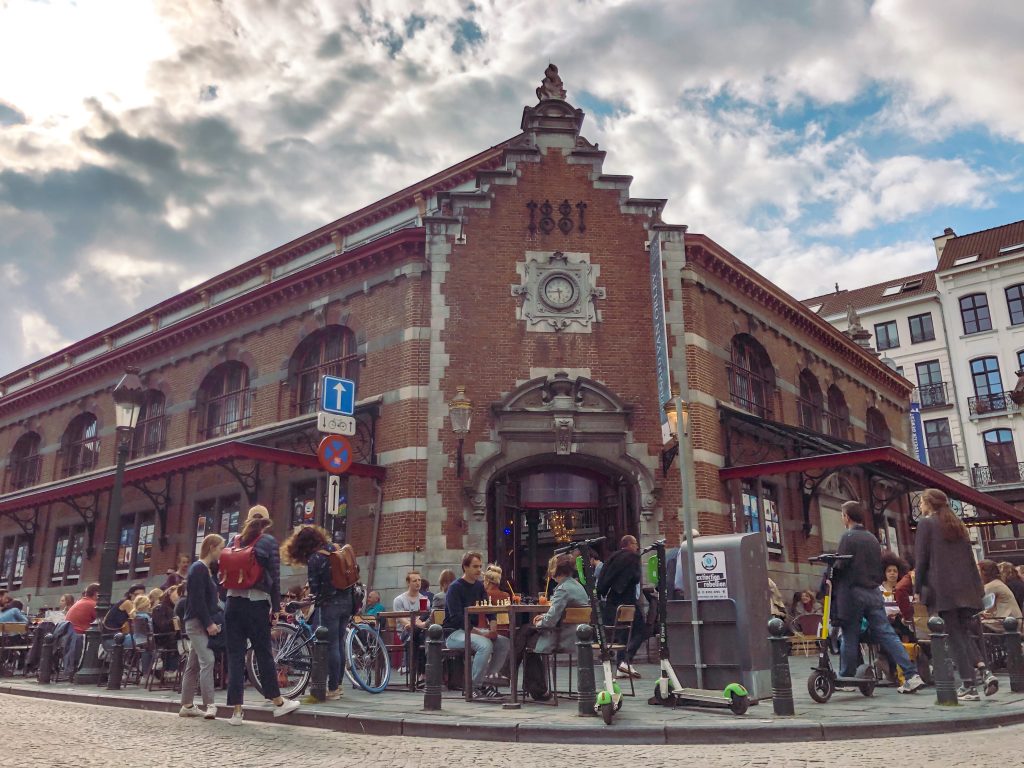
[80, 445]
[68, 554]
[1015, 303]
[218, 515]
[886, 335]
[838, 416]
[975, 314]
[921, 328]
[810, 401]
[23, 468]
[331, 351]
[224, 400]
[751, 376]
[150, 434]
[876, 428]
[135, 545]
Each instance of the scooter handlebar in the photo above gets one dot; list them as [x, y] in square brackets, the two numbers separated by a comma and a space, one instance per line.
[577, 544]
[829, 558]
[652, 547]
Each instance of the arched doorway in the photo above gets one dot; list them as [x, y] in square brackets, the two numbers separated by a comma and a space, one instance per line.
[536, 509]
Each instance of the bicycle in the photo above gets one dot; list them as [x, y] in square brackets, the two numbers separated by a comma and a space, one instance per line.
[366, 659]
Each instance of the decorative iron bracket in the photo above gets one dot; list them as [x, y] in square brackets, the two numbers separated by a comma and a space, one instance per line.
[249, 480]
[160, 498]
[88, 512]
[668, 456]
[880, 499]
[28, 526]
[810, 482]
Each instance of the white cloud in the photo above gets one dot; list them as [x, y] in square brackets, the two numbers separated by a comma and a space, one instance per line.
[38, 336]
[128, 275]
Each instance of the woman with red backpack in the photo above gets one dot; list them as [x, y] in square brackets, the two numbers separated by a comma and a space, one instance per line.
[311, 546]
[250, 570]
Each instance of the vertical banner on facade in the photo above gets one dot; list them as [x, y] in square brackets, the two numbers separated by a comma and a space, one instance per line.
[917, 432]
[660, 333]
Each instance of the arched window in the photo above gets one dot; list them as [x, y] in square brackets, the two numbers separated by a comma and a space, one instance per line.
[80, 445]
[988, 386]
[1002, 459]
[751, 376]
[224, 401]
[23, 469]
[876, 430]
[151, 431]
[837, 419]
[810, 401]
[331, 351]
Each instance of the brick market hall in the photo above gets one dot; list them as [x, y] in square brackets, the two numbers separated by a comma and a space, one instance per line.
[523, 287]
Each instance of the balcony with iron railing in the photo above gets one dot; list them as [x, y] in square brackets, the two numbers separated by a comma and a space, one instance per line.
[935, 395]
[810, 414]
[150, 436]
[22, 473]
[80, 457]
[999, 402]
[836, 426]
[226, 414]
[943, 457]
[750, 391]
[997, 474]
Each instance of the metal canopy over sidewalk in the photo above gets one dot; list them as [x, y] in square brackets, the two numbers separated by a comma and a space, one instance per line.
[883, 459]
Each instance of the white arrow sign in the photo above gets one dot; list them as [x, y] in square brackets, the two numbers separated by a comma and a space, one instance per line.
[333, 491]
[333, 424]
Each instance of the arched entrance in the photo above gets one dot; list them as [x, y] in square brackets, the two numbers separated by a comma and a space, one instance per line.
[535, 509]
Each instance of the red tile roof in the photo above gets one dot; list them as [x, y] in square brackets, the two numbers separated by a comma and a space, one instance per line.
[985, 244]
[871, 295]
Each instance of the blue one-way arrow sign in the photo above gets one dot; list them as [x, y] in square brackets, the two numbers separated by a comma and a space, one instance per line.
[338, 396]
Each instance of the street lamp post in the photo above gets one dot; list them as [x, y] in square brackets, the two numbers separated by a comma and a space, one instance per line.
[460, 409]
[127, 404]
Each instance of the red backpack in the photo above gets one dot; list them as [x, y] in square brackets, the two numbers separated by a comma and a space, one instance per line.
[239, 568]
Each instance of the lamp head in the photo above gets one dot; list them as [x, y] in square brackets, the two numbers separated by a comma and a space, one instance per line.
[128, 399]
[460, 409]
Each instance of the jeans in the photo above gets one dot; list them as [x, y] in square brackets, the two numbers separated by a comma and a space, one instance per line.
[965, 652]
[72, 652]
[246, 619]
[867, 603]
[199, 667]
[489, 656]
[334, 614]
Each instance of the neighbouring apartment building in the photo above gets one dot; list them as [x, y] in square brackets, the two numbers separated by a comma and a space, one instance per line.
[524, 278]
[958, 333]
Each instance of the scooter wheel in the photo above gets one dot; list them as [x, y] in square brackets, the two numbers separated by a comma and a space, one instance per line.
[867, 689]
[607, 713]
[739, 704]
[821, 687]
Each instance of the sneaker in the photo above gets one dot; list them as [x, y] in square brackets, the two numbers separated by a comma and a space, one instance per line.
[236, 717]
[210, 713]
[289, 705]
[336, 694]
[188, 711]
[911, 684]
[989, 683]
[486, 692]
[627, 670]
[967, 694]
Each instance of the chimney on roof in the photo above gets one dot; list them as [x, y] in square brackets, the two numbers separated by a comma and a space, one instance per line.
[941, 240]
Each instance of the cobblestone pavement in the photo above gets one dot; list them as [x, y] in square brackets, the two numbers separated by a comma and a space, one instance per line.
[42, 732]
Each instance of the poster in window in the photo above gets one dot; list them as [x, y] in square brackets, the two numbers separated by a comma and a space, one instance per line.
[309, 512]
[750, 512]
[772, 529]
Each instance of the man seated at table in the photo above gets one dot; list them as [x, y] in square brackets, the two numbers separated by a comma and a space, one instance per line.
[490, 650]
[76, 621]
[412, 600]
[548, 632]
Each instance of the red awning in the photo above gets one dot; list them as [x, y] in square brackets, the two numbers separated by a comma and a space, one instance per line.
[884, 458]
[158, 466]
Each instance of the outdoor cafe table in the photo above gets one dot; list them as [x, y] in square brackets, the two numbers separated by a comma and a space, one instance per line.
[512, 611]
[411, 655]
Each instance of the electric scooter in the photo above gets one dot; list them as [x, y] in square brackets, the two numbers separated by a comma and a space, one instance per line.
[668, 690]
[609, 698]
[824, 679]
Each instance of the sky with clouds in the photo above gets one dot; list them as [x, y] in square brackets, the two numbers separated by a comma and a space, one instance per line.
[146, 145]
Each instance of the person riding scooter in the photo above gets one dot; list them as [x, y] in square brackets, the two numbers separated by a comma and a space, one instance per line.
[855, 586]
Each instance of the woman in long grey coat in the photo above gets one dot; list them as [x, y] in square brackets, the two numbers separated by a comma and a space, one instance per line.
[948, 582]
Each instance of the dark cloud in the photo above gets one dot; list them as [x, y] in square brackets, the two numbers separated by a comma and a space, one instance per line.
[208, 93]
[10, 115]
[330, 46]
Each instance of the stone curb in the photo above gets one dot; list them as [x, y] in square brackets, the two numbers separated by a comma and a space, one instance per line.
[735, 732]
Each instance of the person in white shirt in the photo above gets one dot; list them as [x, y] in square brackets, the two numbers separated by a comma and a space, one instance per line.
[412, 600]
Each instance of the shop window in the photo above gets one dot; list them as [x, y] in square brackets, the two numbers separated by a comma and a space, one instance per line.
[135, 545]
[762, 513]
[975, 314]
[331, 351]
[68, 554]
[13, 561]
[25, 462]
[80, 445]
[218, 515]
[304, 506]
[224, 401]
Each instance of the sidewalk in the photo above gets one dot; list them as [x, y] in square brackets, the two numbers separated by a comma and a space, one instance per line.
[847, 716]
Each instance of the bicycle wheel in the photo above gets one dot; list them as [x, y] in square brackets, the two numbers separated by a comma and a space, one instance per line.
[292, 657]
[367, 659]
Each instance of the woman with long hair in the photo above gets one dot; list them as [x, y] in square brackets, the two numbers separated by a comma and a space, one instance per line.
[200, 606]
[310, 546]
[248, 616]
[947, 580]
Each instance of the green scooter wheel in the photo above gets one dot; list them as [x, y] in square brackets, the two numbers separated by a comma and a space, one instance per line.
[607, 713]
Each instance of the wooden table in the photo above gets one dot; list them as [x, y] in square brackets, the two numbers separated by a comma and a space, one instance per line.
[512, 611]
[411, 655]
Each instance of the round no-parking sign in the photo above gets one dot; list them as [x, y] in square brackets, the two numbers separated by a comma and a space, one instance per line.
[335, 454]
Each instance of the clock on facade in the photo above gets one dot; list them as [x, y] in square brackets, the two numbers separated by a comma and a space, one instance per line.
[559, 291]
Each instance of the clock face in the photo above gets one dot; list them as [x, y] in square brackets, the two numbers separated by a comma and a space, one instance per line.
[559, 291]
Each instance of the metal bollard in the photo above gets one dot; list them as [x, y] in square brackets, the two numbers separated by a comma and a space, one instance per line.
[942, 664]
[782, 683]
[1014, 656]
[318, 667]
[116, 669]
[585, 662]
[45, 670]
[432, 688]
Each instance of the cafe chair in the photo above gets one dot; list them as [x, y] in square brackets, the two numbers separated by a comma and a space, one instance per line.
[165, 651]
[14, 646]
[804, 641]
[451, 659]
[622, 628]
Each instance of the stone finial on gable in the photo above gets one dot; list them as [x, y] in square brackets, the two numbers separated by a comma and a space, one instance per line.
[551, 86]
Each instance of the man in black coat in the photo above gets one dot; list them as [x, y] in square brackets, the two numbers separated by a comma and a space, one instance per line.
[619, 584]
[855, 590]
